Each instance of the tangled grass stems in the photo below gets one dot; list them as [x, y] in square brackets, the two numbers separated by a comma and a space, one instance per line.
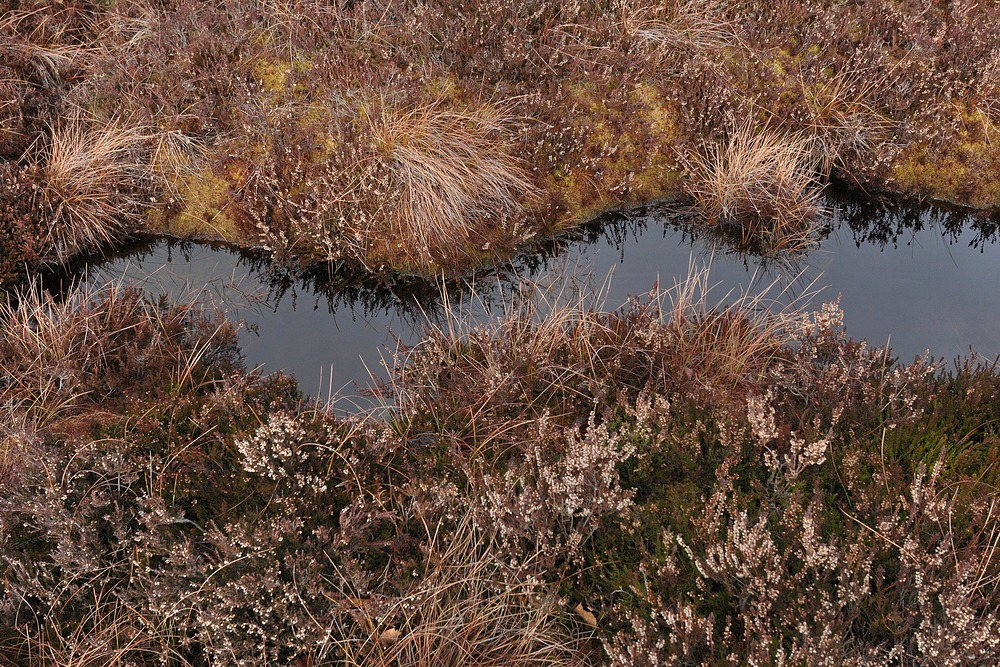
[683, 25]
[552, 350]
[111, 635]
[467, 609]
[843, 125]
[762, 183]
[56, 354]
[49, 56]
[48, 344]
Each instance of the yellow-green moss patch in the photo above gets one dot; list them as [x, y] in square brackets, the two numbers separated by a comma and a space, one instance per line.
[966, 172]
[205, 198]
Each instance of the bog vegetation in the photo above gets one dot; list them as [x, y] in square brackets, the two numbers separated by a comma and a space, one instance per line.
[426, 137]
[667, 481]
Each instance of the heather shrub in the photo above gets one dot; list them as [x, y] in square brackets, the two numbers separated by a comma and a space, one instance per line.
[686, 508]
[813, 543]
[20, 225]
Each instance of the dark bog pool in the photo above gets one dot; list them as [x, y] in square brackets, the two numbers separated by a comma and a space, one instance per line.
[920, 279]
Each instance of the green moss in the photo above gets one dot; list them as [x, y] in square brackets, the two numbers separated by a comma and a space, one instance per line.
[627, 154]
[272, 75]
[965, 171]
[204, 200]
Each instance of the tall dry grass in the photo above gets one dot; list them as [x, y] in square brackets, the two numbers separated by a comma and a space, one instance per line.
[48, 346]
[97, 342]
[733, 340]
[557, 350]
[451, 174]
[761, 182]
[93, 175]
[26, 35]
[111, 635]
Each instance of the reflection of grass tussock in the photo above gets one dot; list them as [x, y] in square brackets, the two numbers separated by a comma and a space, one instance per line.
[764, 184]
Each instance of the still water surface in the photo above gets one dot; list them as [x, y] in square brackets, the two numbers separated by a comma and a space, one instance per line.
[919, 279]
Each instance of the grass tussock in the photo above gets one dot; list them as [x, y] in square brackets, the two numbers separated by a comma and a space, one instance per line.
[763, 184]
[97, 343]
[557, 352]
[452, 175]
[93, 177]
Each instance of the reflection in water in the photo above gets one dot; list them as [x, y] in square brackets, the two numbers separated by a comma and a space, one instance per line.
[920, 278]
[884, 222]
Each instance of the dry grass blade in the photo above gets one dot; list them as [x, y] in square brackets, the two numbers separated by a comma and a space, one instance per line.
[50, 59]
[91, 176]
[451, 174]
[762, 183]
[696, 25]
[468, 610]
[735, 341]
[842, 124]
[112, 635]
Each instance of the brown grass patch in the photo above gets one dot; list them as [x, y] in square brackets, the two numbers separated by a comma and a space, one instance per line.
[92, 177]
[468, 609]
[763, 183]
[451, 177]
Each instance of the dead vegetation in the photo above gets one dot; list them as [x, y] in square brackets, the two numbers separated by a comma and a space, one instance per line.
[764, 185]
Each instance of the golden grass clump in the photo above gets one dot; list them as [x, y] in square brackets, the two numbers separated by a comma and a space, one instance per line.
[88, 347]
[49, 346]
[452, 179]
[762, 183]
[92, 176]
[732, 344]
